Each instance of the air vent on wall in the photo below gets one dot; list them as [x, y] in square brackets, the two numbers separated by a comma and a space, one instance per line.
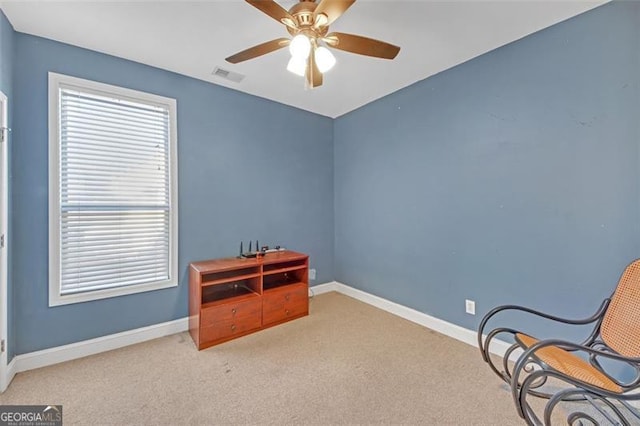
[227, 75]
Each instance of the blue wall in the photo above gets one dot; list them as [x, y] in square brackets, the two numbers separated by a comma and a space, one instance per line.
[244, 173]
[6, 86]
[512, 178]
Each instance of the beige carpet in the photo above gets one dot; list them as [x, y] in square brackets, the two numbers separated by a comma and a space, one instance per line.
[346, 363]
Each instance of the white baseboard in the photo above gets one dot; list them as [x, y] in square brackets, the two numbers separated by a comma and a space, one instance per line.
[448, 329]
[46, 357]
[51, 356]
[323, 288]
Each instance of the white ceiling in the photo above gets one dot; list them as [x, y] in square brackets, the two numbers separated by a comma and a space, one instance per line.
[193, 37]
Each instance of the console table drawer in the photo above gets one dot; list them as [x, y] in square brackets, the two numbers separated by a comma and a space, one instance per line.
[230, 327]
[288, 302]
[217, 314]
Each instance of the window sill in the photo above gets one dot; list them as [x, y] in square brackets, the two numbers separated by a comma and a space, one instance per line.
[59, 300]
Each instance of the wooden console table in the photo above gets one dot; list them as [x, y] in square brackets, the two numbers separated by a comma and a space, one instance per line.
[232, 297]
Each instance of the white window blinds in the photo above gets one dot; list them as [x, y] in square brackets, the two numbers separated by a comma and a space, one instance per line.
[114, 192]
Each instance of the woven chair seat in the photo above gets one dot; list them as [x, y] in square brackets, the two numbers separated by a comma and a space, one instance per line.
[570, 364]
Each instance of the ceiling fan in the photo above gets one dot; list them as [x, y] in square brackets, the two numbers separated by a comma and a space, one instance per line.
[308, 22]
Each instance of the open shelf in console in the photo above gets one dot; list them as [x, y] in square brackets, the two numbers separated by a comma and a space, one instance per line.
[278, 268]
[216, 278]
[283, 279]
[223, 293]
[280, 274]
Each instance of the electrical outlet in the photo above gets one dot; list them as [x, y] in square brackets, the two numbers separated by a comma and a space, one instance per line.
[470, 306]
[312, 274]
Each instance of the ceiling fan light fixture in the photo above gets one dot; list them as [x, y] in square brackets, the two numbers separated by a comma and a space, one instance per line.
[298, 66]
[300, 47]
[324, 59]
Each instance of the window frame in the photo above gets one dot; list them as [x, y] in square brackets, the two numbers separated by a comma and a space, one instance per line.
[56, 82]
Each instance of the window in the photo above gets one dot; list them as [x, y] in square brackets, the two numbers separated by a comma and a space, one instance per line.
[112, 191]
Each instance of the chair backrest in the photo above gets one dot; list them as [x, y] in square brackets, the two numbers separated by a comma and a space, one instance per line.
[620, 328]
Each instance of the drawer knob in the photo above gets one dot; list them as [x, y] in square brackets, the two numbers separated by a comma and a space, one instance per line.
[286, 311]
[233, 311]
[233, 327]
[286, 297]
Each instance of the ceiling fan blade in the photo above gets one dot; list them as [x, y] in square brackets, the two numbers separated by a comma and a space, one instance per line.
[314, 76]
[361, 45]
[333, 9]
[272, 9]
[259, 50]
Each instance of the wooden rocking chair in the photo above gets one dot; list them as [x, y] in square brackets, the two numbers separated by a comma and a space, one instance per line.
[578, 367]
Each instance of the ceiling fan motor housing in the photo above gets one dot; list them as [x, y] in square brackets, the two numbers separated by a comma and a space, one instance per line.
[303, 12]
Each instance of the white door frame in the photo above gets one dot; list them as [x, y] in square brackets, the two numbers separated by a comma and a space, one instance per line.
[4, 199]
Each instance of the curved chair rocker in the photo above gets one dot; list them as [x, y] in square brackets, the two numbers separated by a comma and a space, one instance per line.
[579, 366]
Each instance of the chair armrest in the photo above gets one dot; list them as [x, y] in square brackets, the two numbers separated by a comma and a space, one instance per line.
[571, 346]
[502, 308]
[523, 360]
